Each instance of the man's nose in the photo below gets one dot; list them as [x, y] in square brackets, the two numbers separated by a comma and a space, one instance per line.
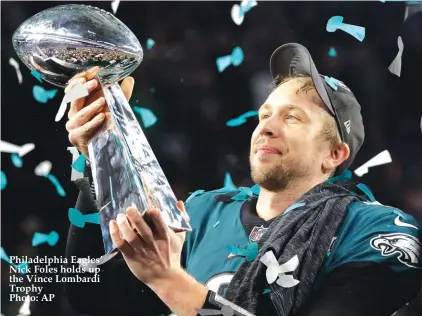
[269, 127]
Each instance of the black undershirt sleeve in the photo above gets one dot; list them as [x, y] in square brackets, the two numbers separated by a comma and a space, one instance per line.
[363, 289]
[119, 292]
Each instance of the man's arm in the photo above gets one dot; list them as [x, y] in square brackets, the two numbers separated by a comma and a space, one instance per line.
[119, 292]
[363, 289]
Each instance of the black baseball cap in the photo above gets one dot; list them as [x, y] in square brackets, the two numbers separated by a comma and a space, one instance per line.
[290, 59]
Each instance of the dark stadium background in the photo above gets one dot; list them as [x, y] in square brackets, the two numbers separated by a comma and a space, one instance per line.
[193, 101]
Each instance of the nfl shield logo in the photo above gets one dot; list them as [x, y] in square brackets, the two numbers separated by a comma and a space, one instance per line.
[257, 233]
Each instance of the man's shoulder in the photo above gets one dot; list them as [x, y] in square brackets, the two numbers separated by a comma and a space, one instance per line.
[373, 232]
[367, 215]
[201, 204]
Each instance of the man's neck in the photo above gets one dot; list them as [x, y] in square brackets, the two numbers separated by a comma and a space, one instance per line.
[271, 204]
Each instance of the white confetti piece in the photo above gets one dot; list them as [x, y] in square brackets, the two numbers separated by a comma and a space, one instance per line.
[238, 11]
[115, 5]
[395, 66]
[43, 168]
[276, 272]
[77, 92]
[14, 64]
[24, 309]
[382, 158]
[75, 154]
[7, 147]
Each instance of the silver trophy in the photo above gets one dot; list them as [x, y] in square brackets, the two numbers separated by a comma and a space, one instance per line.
[65, 40]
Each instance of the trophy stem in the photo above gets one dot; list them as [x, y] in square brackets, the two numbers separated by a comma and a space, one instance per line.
[125, 170]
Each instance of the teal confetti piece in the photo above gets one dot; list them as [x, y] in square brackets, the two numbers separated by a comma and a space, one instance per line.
[3, 180]
[147, 116]
[152, 90]
[336, 23]
[37, 75]
[78, 219]
[23, 267]
[266, 291]
[365, 189]
[235, 59]
[150, 43]
[332, 82]
[228, 182]
[294, 206]
[79, 163]
[39, 238]
[332, 52]
[216, 224]
[252, 251]
[255, 189]
[42, 95]
[59, 188]
[241, 119]
[16, 160]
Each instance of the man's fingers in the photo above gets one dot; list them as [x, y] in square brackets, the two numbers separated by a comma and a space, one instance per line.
[160, 225]
[127, 86]
[86, 114]
[128, 232]
[87, 131]
[77, 105]
[118, 241]
[138, 223]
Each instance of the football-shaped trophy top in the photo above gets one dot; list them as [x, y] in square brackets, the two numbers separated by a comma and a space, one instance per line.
[65, 40]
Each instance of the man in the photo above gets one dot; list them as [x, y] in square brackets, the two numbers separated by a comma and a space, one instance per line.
[308, 243]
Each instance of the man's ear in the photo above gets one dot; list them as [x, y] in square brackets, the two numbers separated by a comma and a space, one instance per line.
[336, 157]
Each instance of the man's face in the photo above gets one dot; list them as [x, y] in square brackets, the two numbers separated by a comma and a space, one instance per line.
[287, 144]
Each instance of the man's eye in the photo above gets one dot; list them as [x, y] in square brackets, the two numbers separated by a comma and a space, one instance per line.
[265, 116]
[291, 117]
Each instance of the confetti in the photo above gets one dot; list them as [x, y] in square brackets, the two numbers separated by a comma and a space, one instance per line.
[333, 82]
[43, 170]
[250, 252]
[395, 66]
[39, 238]
[3, 180]
[150, 43]
[225, 311]
[78, 219]
[332, 52]
[22, 267]
[115, 5]
[79, 163]
[274, 270]
[77, 92]
[147, 116]
[266, 291]
[24, 309]
[16, 160]
[75, 154]
[235, 59]
[152, 90]
[382, 158]
[37, 75]
[238, 11]
[336, 22]
[14, 64]
[228, 182]
[12, 148]
[216, 224]
[42, 95]
[241, 119]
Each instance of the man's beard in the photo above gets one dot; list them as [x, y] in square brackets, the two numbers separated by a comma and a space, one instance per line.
[279, 175]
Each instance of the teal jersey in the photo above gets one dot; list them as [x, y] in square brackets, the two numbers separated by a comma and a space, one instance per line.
[369, 232]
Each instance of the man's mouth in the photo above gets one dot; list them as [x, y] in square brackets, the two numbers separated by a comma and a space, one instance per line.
[267, 150]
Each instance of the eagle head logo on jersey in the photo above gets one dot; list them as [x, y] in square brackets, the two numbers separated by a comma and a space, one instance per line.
[406, 246]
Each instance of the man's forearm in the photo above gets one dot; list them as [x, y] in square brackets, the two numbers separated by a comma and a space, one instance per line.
[181, 293]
